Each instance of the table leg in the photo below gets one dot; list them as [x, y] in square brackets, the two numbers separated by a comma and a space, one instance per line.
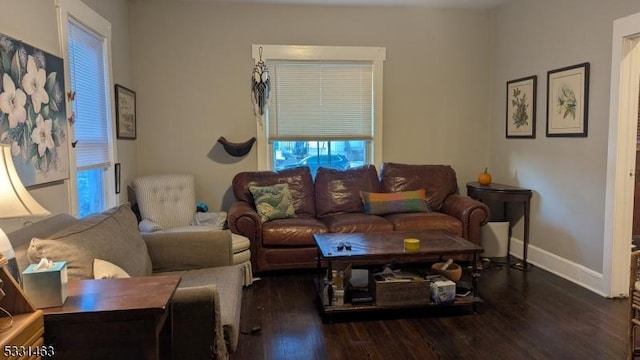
[524, 265]
[475, 274]
[526, 236]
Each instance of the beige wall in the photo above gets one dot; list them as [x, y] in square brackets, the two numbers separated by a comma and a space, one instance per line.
[444, 92]
[36, 23]
[193, 65]
[567, 175]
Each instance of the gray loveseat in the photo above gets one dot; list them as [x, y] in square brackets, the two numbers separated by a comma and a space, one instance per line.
[206, 305]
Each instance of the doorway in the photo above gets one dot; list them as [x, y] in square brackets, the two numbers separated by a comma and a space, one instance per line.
[636, 191]
[623, 128]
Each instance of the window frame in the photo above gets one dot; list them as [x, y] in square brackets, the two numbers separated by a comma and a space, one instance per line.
[377, 55]
[76, 10]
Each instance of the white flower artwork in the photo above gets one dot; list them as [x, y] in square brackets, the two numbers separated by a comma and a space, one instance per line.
[33, 116]
[12, 102]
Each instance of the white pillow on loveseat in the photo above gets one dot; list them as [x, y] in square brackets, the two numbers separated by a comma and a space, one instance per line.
[103, 269]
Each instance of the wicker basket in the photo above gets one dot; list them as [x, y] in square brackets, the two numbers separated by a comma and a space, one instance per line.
[453, 272]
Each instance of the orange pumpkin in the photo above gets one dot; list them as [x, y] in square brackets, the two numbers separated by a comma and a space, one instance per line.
[484, 178]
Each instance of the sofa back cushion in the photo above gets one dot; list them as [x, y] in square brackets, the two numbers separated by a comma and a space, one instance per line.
[21, 238]
[298, 181]
[439, 181]
[338, 191]
[112, 236]
[168, 200]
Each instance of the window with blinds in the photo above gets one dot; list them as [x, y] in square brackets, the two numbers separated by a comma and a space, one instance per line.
[86, 37]
[319, 100]
[87, 76]
[321, 114]
[325, 106]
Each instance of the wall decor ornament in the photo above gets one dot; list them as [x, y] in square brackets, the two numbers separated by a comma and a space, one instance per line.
[521, 108]
[236, 149]
[568, 101]
[33, 119]
[260, 87]
[125, 113]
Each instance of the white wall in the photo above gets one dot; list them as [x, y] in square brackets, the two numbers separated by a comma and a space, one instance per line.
[567, 175]
[193, 65]
[36, 23]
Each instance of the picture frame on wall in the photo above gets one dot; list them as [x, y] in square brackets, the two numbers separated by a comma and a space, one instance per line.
[125, 113]
[116, 173]
[521, 108]
[568, 101]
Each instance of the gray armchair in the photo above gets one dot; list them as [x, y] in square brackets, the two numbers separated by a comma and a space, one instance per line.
[167, 204]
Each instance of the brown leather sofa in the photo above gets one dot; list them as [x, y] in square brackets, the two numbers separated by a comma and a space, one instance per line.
[333, 204]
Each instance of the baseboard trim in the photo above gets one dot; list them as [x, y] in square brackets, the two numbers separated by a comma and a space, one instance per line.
[559, 266]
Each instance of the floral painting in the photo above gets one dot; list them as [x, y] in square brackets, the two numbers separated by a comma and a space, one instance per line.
[32, 111]
[567, 101]
[521, 107]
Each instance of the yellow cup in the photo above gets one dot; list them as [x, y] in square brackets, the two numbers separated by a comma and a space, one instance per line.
[411, 244]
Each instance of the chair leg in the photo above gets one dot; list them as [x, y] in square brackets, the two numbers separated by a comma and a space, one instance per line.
[634, 351]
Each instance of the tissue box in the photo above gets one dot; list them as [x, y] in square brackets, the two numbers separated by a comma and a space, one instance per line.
[46, 287]
[443, 291]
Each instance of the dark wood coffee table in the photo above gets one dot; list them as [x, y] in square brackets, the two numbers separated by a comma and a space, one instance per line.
[368, 249]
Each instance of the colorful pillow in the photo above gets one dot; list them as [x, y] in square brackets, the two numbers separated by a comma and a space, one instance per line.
[273, 202]
[397, 202]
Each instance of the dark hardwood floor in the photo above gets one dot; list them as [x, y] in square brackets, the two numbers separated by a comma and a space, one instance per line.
[526, 315]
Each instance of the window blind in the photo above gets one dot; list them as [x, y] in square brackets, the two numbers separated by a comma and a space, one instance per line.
[86, 56]
[313, 100]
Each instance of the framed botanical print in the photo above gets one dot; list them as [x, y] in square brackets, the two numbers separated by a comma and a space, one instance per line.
[568, 101]
[125, 113]
[521, 108]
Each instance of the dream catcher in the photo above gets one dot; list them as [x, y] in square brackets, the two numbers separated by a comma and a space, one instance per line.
[260, 87]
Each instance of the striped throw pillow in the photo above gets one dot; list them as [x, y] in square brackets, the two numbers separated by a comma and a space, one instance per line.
[397, 202]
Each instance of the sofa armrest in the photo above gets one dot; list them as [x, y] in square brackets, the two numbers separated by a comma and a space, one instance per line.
[243, 219]
[179, 251]
[201, 339]
[472, 213]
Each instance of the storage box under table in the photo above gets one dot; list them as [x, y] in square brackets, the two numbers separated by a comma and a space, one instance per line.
[400, 293]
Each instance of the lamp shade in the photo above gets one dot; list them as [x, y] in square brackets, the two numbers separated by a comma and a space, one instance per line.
[15, 200]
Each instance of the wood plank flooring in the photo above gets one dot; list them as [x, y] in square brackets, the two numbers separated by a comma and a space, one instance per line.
[526, 315]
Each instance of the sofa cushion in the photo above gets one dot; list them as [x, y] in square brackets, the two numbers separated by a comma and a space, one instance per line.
[338, 191]
[292, 232]
[439, 181]
[425, 221]
[397, 202]
[348, 223]
[112, 236]
[273, 202]
[21, 238]
[298, 180]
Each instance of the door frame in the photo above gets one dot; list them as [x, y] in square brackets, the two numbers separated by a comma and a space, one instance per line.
[623, 122]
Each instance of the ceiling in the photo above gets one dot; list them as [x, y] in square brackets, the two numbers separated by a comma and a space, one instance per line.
[426, 3]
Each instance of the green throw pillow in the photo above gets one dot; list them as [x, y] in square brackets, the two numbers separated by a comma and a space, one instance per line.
[273, 202]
